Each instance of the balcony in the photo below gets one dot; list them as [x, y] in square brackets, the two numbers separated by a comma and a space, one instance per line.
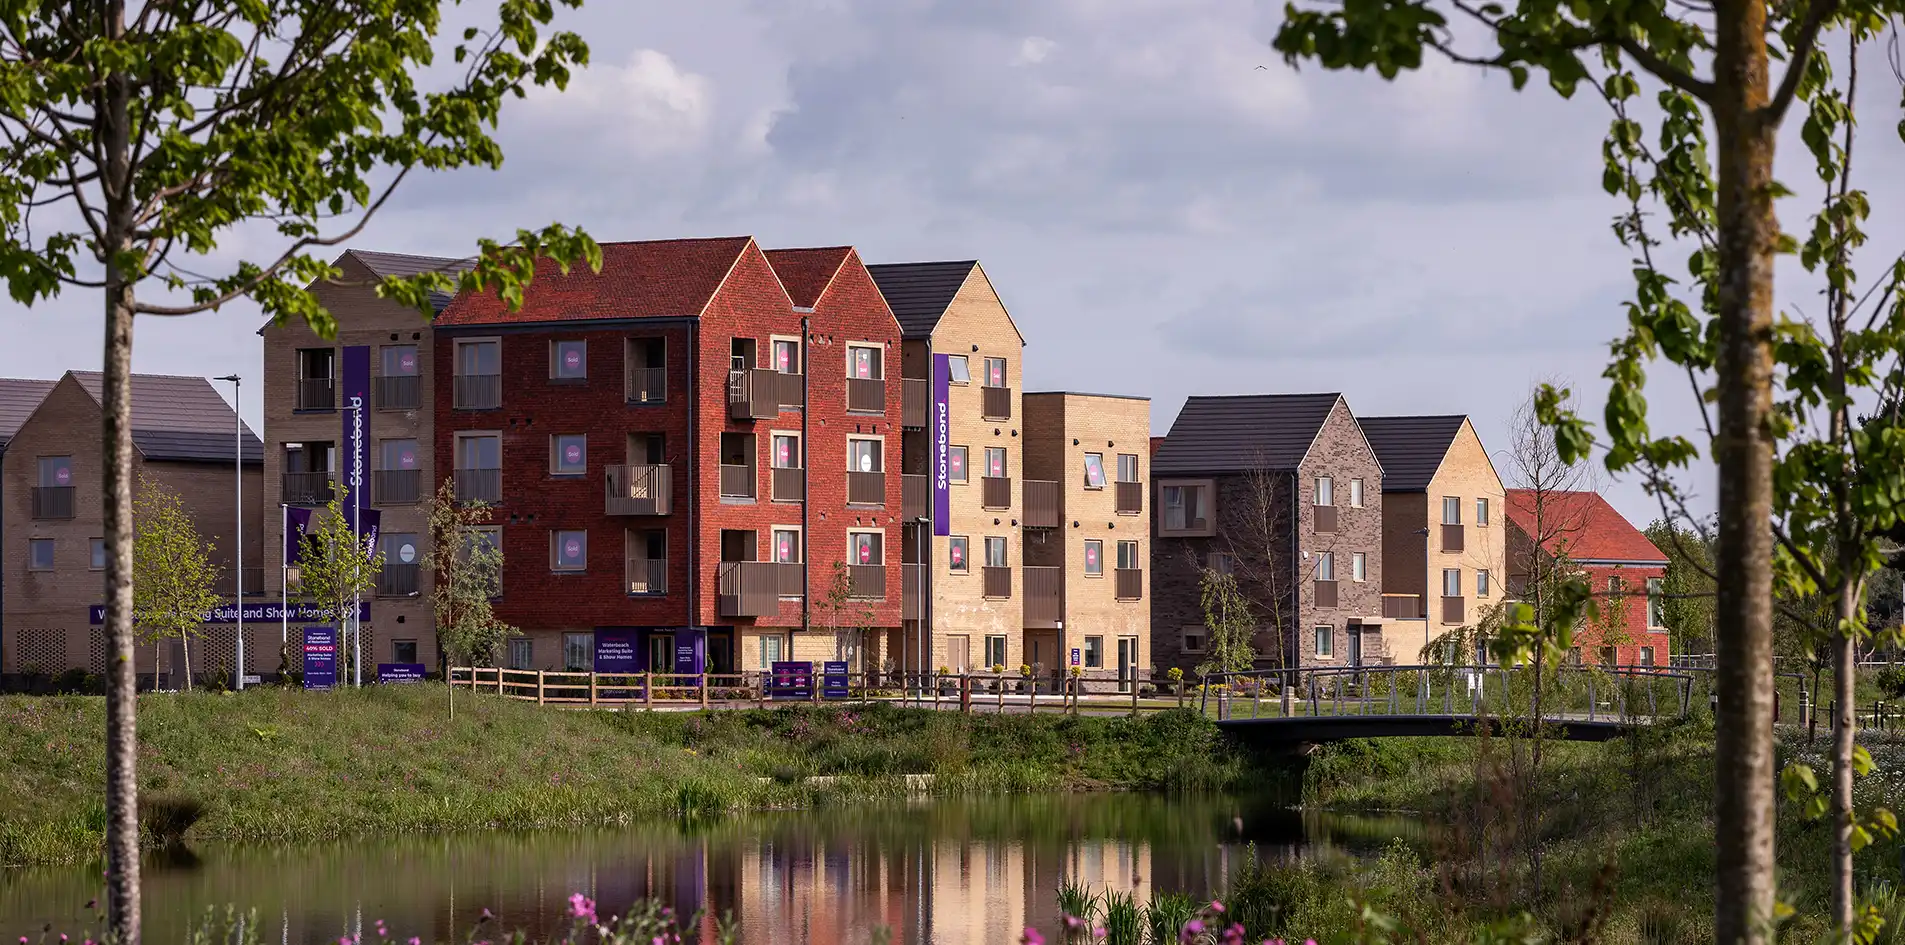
[1130, 498]
[789, 578]
[1130, 583]
[997, 581]
[479, 485]
[1044, 597]
[1453, 610]
[914, 403]
[995, 492]
[398, 579]
[995, 403]
[254, 582]
[648, 576]
[1452, 538]
[1402, 606]
[317, 393]
[1324, 518]
[789, 485]
[1041, 503]
[307, 488]
[791, 391]
[754, 394]
[915, 497]
[1326, 593]
[866, 488]
[647, 385]
[52, 502]
[478, 391]
[749, 588]
[910, 592]
[866, 581]
[637, 490]
[866, 395]
[403, 392]
[396, 486]
[737, 482]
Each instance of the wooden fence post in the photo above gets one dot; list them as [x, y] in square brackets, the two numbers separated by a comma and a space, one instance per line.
[592, 687]
[539, 680]
[1134, 696]
[703, 683]
[965, 693]
[998, 683]
[499, 680]
[648, 689]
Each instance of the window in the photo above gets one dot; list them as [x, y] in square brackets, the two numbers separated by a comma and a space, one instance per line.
[99, 553]
[995, 651]
[863, 455]
[1481, 511]
[770, 651]
[1094, 557]
[1221, 563]
[56, 472]
[399, 361]
[1358, 566]
[1451, 582]
[1451, 510]
[995, 372]
[578, 652]
[1127, 467]
[787, 545]
[1185, 508]
[1646, 656]
[399, 454]
[569, 360]
[1094, 470]
[569, 550]
[1482, 585]
[1614, 586]
[475, 358]
[1656, 603]
[786, 451]
[403, 651]
[995, 553]
[956, 554]
[1194, 638]
[316, 364]
[479, 451]
[864, 548]
[1326, 566]
[956, 369]
[645, 370]
[522, 653]
[1325, 641]
[995, 462]
[786, 356]
[488, 538]
[1128, 556]
[40, 554]
[1355, 493]
[863, 363]
[1094, 652]
[1325, 491]
[317, 386]
[956, 463]
[569, 454]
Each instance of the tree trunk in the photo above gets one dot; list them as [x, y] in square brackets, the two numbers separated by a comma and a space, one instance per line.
[1743, 750]
[1844, 729]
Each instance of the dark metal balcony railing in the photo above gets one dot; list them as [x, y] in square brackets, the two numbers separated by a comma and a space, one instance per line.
[637, 490]
[787, 484]
[866, 395]
[1044, 597]
[1326, 593]
[227, 582]
[995, 492]
[647, 385]
[1130, 583]
[912, 592]
[396, 486]
[1130, 498]
[995, 403]
[479, 391]
[748, 588]
[647, 575]
[1402, 606]
[398, 579]
[915, 407]
[788, 577]
[399, 392]
[1452, 538]
[307, 488]
[915, 496]
[1041, 503]
[1325, 518]
[317, 393]
[792, 391]
[1453, 610]
[737, 482]
[52, 502]
[866, 488]
[479, 485]
[866, 581]
[753, 394]
[997, 581]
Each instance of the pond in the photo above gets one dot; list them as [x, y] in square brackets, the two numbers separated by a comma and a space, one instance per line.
[938, 871]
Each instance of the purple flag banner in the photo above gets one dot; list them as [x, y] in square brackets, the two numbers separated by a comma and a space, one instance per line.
[942, 446]
[354, 396]
[297, 522]
[367, 530]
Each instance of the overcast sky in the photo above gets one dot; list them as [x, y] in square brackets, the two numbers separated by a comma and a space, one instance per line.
[1166, 208]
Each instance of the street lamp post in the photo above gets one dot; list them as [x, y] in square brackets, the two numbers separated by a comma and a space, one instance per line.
[238, 522]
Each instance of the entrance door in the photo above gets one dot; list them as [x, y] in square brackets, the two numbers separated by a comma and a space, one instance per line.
[1355, 646]
[661, 653]
[1127, 662]
[720, 654]
[959, 653]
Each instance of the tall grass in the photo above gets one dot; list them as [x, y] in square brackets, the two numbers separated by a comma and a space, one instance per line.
[1123, 919]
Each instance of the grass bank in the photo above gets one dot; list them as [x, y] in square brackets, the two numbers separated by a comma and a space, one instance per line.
[283, 765]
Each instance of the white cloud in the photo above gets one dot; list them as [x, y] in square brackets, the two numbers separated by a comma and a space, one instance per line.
[648, 104]
[1034, 50]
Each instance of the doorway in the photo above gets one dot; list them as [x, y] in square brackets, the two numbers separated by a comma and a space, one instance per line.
[661, 653]
[720, 654]
[1127, 663]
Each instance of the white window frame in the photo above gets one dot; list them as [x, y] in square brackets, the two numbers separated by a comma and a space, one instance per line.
[879, 451]
[1481, 512]
[958, 370]
[1451, 510]
[1325, 494]
[555, 559]
[879, 360]
[1005, 463]
[1323, 641]
[1456, 574]
[800, 353]
[1656, 603]
[1355, 493]
[555, 455]
[1187, 530]
[1137, 555]
[456, 355]
[1100, 484]
[773, 543]
[965, 464]
[1359, 566]
[879, 535]
[1002, 543]
[800, 449]
[1100, 544]
[1484, 583]
[555, 359]
[1326, 565]
[964, 566]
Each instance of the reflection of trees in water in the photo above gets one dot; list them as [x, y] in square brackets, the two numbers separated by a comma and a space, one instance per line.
[960, 870]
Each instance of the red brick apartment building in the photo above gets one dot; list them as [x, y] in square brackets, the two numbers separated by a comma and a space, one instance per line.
[686, 450]
[1622, 565]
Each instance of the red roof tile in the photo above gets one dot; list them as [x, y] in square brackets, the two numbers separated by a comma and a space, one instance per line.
[646, 279]
[1582, 526]
[806, 273]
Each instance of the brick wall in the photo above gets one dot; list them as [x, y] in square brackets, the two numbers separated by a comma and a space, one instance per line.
[1341, 453]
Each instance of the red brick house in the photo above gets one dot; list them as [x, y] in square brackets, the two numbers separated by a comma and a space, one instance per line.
[1620, 563]
[684, 450]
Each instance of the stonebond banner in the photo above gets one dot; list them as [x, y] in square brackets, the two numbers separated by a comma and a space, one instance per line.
[255, 612]
[942, 446]
[354, 394]
[320, 658]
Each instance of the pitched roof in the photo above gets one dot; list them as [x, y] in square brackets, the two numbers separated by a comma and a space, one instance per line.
[404, 264]
[1581, 526]
[919, 292]
[805, 273]
[1410, 448]
[1234, 434]
[181, 419]
[646, 279]
[19, 397]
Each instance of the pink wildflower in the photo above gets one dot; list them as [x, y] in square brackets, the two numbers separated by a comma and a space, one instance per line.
[1031, 937]
[1074, 923]
[1098, 932]
[582, 907]
[1217, 905]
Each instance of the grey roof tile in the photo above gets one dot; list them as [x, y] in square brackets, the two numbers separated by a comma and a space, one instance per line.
[19, 397]
[178, 418]
[404, 264]
[1410, 448]
[1235, 434]
[918, 293]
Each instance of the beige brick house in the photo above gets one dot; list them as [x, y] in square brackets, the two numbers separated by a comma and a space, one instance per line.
[1087, 539]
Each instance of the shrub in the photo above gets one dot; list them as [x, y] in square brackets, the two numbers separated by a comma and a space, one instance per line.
[1891, 681]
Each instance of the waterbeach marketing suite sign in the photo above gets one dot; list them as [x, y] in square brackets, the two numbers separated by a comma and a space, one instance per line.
[255, 612]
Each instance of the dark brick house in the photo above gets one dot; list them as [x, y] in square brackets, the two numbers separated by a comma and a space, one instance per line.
[1284, 492]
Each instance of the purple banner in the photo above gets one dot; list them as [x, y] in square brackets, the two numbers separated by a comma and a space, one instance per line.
[615, 651]
[833, 680]
[367, 532]
[792, 680]
[688, 655]
[320, 658]
[255, 612]
[354, 396]
[942, 446]
[296, 523]
[401, 672]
